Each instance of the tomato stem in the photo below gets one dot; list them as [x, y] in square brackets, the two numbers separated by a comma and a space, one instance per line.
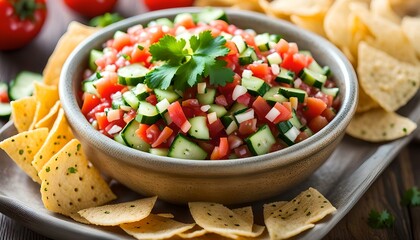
[25, 8]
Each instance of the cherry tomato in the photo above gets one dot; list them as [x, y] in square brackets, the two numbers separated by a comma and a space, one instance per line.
[20, 22]
[91, 8]
[162, 4]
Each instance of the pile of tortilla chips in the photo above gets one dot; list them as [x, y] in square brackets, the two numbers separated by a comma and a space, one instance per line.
[379, 37]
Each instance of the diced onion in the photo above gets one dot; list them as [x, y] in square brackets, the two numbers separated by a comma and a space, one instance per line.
[201, 88]
[205, 108]
[113, 115]
[238, 91]
[186, 126]
[212, 117]
[231, 128]
[297, 82]
[125, 108]
[180, 30]
[275, 69]
[116, 95]
[272, 114]
[245, 116]
[114, 129]
[234, 141]
[247, 73]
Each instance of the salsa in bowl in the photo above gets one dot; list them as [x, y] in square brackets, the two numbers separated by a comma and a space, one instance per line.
[199, 87]
[229, 181]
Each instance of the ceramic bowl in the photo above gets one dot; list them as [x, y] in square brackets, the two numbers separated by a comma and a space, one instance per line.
[226, 181]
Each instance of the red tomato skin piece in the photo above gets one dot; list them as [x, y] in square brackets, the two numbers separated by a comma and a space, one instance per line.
[91, 8]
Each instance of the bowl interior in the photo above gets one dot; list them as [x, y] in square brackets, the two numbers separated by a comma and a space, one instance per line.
[323, 51]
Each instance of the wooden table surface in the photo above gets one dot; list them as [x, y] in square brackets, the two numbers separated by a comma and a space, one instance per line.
[385, 193]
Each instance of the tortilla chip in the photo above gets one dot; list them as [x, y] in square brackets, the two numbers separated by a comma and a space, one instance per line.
[387, 35]
[155, 227]
[298, 215]
[300, 7]
[311, 23]
[76, 33]
[270, 208]
[22, 147]
[76, 217]
[382, 8]
[116, 214]
[378, 126]
[23, 111]
[46, 96]
[389, 82]
[59, 136]
[365, 102]
[218, 3]
[70, 183]
[250, 5]
[194, 232]
[411, 28]
[48, 120]
[167, 215]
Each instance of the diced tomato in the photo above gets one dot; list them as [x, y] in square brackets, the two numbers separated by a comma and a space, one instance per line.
[244, 99]
[294, 62]
[261, 108]
[155, 33]
[129, 116]
[302, 136]
[282, 47]
[223, 146]
[141, 132]
[102, 120]
[221, 100]
[4, 96]
[99, 108]
[215, 154]
[121, 41]
[187, 21]
[261, 70]
[140, 56]
[216, 128]
[192, 102]
[232, 48]
[178, 117]
[152, 99]
[314, 107]
[248, 127]
[89, 102]
[228, 88]
[206, 146]
[108, 85]
[234, 141]
[317, 123]
[219, 24]
[163, 136]
[329, 114]
[285, 113]
[293, 48]
[190, 93]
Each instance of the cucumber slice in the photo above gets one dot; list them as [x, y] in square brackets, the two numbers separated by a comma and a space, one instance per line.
[131, 139]
[293, 92]
[260, 142]
[237, 107]
[247, 57]
[272, 96]
[331, 91]
[184, 148]
[199, 129]
[22, 85]
[240, 43]
[275, 38]
[208, 97]
[118, 138]
[140, 91]
[219, 110]
[274, 58]
[131, 99]
[295, 120]
[132, 75]
[285, 76]
[210, 14]
[256, 86]
[168, 94]
[161, 22]
[313, 78]
[229, 123]
[262, 40]
[5, 109]
[147, 113]
[159, 151]
[288, 132]
[93, 56]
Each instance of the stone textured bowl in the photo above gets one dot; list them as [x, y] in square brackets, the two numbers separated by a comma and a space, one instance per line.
[226, 181]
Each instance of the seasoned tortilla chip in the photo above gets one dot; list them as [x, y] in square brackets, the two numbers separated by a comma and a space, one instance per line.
[45, 96]
[365, 102]
[411, 28]
[378, 126]
[270, 208]
[116, 214]
[391, 83]
[48, 120]
[22, 147]
[155, 227]
[76, 33]
[71, 183]
[23, 112]
[300, 7]
[59, 136]
[311, 23]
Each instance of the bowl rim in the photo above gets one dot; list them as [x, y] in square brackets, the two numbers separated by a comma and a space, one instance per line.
[171, 165]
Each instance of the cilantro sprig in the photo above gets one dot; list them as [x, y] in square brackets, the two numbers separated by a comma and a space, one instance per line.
[185, 65]
[380, 219]
[411, 197]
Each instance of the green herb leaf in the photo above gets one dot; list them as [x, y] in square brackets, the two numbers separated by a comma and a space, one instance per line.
[411, 197]
[105, 20]
[380, 220]
[187, 64]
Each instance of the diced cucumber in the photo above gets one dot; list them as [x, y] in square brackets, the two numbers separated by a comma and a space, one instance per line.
[132, 74]
[168, 94]
[261, 40]
[274, 58]
[140, 91]
[260, 142]
[89, 87]
[93, 56]
[240, 43]
[293, 92]
[132, 139]
[295, 120]
[313, 78]
[256, 86]
[229, 123]
[272, 96]
[5, 109]
[236, 107]
[184, 148]
[162, 106]
[147, 113]
[275, 38]
[218, 109]
[181, 17]
[118, 34]
[285, 76]
[210, 14]
[247, 57]
[159, 151]
[331, 91]
[22, 85]
[288, 132]
[118, 138]
[161, 22]
[199, 129]
[208, 97]
[131, 99]
[307, 130]
[117, 101]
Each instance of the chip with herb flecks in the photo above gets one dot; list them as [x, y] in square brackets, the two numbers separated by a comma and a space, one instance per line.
[378, 125]
[297, 215]
[116, 214]
[45, 96]
[155, 227]
[23, 112]
[22, 147]
[59, 135]
[270, 208]
[48, 120]
[71, 183]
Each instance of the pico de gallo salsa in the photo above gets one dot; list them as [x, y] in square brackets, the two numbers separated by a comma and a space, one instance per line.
[199, 87]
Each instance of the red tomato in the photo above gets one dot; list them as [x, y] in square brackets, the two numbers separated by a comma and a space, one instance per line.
[20, 22]
[261, 70]
[216, 128]
[163, 136]
[314, 107]
[285, 113]
[261, 107]
[248, 127]
[162, 4]
[141, 132]
[102, 120]
[178, 116]
[107, 86]
[317, 123]
[91, 8]
[4, 96]
[89, 102]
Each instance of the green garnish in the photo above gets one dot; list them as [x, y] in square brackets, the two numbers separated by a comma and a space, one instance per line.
[186, 66]
[380, 220]
[411, 197]
[72, 170]
[105, 20]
